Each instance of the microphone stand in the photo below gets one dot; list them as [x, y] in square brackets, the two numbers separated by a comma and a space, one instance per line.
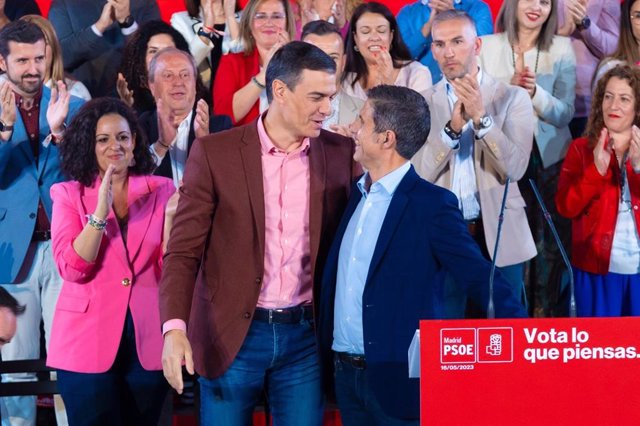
[565, 258]
[491, 311]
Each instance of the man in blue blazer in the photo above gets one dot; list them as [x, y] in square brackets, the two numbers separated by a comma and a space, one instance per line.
[386, 267]
[32, 120]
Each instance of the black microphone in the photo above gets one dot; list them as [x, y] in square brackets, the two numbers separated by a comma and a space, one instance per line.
[565, 258]
[491, 310]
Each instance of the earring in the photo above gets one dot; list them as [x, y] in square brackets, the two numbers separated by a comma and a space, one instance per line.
[356, 48]
[132, 163]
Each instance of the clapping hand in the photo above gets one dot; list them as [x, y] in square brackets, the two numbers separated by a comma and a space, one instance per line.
[123, 90]
[58, 107]
[201, 125]
[602, 152]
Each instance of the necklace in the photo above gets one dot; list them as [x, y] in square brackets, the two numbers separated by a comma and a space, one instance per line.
[513, 58]
[623, 181]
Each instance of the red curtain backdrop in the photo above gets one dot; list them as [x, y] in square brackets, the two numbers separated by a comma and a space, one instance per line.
[168, 7]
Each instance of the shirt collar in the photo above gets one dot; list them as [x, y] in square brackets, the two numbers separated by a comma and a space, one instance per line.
[36, 99]
[388, 182]
[266, 144]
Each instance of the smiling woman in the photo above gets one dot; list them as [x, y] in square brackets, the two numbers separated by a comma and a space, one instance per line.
[108, 228]
[239, 87]
[525, 52]
[377, 55]
[598, 190]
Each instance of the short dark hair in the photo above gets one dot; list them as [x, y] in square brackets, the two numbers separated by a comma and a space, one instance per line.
[320, 28]
[403, 111]
[291, 59]
[10, 302]
[19, 32]
[77, 151]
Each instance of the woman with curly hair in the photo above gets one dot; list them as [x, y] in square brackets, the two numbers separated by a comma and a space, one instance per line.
[599, 190]
[133, 80]
[375, 54]
[109, 225]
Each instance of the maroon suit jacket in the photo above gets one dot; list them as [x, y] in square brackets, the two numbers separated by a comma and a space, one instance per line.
[213, 268]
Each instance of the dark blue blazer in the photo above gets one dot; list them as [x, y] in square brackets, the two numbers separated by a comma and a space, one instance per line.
[422, 237]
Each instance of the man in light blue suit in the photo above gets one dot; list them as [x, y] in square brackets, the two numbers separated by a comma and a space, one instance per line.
[385, 270]
[32, 121]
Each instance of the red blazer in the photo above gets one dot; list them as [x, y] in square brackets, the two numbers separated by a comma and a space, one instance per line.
[234, 72]
[213, 269]
[591, 201]
[90, 313]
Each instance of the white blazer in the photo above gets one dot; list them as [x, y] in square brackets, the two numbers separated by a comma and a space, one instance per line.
[553, 102]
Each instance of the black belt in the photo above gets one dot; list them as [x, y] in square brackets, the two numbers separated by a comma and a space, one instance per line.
[356, 361]
[291, 315]
[41, 235]
[475, 227]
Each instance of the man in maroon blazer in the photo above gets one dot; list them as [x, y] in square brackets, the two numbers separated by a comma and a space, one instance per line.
[257, 212]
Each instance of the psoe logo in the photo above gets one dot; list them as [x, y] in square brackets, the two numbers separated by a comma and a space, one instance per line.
[458, 345]
[495, 344]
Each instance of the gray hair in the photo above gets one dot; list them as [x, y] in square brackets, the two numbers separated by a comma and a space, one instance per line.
[153, 65]
[453, 14]
[403, 111]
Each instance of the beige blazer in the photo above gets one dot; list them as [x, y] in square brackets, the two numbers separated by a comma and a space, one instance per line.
[348, 109]
[503, 152]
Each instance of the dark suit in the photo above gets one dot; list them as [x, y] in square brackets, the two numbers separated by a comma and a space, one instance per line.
[93, 59]
[149, 123]
[423, 234]
[213, 269]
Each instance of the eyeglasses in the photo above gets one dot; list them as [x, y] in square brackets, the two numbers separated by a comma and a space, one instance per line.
[262, 17]
[635, 18]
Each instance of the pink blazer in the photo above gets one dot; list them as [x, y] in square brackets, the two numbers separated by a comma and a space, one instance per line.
[90, 313]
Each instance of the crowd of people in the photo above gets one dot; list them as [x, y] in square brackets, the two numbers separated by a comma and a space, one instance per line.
[273, 195]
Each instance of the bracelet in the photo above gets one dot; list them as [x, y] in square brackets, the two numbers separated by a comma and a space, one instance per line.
[450, 132]
[97, 224]
[56, 138]
[207, 28]
[257, 83]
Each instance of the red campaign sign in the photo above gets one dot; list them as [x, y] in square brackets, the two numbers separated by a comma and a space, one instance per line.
[553, 371]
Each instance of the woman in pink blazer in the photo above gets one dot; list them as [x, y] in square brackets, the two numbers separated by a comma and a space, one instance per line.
[108, 229]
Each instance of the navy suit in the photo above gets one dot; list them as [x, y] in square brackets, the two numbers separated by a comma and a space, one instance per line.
[422, 236]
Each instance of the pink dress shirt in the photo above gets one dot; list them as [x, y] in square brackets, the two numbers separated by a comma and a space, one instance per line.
[287, 259]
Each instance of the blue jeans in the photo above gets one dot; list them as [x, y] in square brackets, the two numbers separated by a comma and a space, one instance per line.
[280, 358]
[356, 401]
[126, 394]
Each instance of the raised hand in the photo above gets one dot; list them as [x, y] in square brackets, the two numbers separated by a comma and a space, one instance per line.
[201, 124]
[106, 17]
[58, 107]
[602, 152]
[167, 126]
[105, 194]
[384, 67]
[123, 90]
[458, 118]
[341, 130]
[8, 99]
[121, 9]
[634, 149]
[339, 13]
[468, 91]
